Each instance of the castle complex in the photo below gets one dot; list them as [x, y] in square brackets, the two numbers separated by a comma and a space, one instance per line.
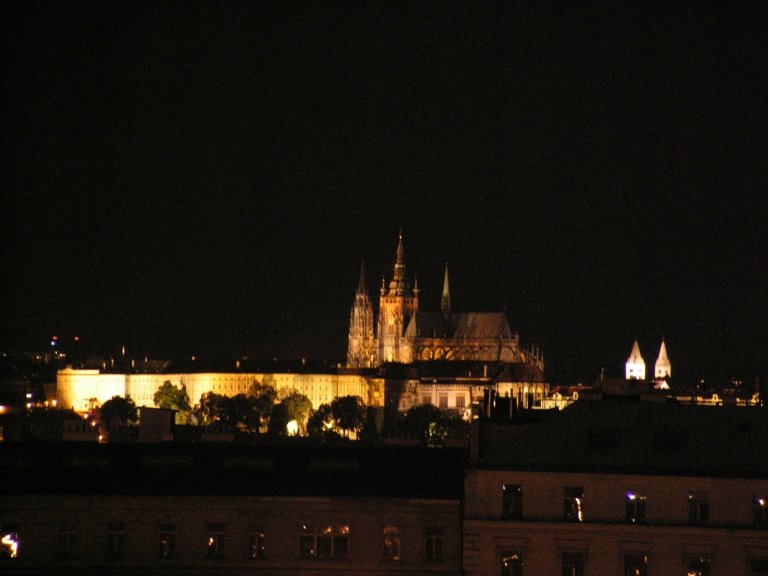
[406, 334]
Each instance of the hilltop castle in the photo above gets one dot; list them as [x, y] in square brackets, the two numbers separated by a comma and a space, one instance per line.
[404, 333]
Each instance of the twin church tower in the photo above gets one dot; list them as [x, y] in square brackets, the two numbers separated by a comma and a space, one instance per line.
[404, 333]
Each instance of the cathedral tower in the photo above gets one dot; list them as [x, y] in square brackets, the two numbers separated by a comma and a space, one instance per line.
[635, 367]
[361, 348]
[396, 306]
[445, 299]
[663, 367]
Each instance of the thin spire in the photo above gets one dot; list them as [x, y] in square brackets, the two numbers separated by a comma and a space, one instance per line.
[361, 289]
[445, 300]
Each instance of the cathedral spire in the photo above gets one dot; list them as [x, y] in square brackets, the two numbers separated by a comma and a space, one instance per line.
[635, 367]
[663, 366]
[399, 284]
[361, 283]
[445, 300]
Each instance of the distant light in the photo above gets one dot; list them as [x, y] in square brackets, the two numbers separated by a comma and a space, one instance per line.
[761, 501]
[631, 496]
[54, 338]
[76, 338]
[292, 427]
[12, 544]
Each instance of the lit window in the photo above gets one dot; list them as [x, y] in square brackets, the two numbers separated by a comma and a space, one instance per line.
[635, 508]
[512, 563]
[760, 512]
[573, 504]
[426, 399]
[460, 402]
[391, 543]
[257, 543]
[635, 564]
[512, 502]
[698, 566]
[215, 544]
[442, 401]
[572, 564]
[116, 537]
[166, 541]
[323, 543]
[433, 544]
[698, 509]
[9, 541]
[69, 545]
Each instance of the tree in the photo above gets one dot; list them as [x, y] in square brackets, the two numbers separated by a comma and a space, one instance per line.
[212, 409]
[293, 406]
[174, 398]
[321, 423]
[119, 412]
[348, 413]
[262, 397]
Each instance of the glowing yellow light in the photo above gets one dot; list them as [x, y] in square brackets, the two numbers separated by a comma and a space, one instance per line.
[12, 544]
[761, 501]
[292, 427]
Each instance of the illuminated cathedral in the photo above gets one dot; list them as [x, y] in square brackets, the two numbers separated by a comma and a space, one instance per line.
[404, 333]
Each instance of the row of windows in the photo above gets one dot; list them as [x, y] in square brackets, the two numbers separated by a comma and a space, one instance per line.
[316, 542]
[634, 506]
[634, 564]
[442, 401]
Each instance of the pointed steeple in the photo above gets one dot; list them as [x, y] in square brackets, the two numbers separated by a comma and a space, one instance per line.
[635, 367]
[399, 285]
[361, 289]
[445, 299]
[663, 366]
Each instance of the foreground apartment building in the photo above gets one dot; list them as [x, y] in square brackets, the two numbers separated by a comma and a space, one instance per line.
[604, 487]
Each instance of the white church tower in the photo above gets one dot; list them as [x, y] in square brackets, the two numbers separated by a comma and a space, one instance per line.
[635, 368]
[663, 367]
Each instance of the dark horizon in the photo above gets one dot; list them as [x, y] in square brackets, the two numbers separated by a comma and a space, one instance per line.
[205, 180]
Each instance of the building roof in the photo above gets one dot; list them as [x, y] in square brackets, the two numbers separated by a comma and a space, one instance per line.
[480, 325]
[630, 436]
[427, 325]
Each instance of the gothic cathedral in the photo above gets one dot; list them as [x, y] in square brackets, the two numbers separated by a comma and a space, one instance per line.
[403, 333]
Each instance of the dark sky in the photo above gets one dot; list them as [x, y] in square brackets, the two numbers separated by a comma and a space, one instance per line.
[205, 178]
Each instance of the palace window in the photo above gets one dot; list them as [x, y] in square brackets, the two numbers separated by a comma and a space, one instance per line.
[512, 563]
[328, 542]
[635, 564]
[9, 541]
[698, 566]
[166, 541]
[116, 539]
[391, 543]
[760, 512]
[634, 505]
[426, 399]
[257, 543]
[698, 509]
[572, 564]
[442, 401]
[573, 503]
[512, 502]
[215, 543]
[460, 402]
[433, 544]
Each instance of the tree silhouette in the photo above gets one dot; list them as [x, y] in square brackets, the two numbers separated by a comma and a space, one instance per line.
[119, 412]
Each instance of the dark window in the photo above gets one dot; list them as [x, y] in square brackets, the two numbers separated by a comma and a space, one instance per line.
[635, 564]
[573, 504]
[512, 563]
[166, 541]
[257, 543]
[698, 509]
[699, 566]
[433, 538]
[572, 564]
[391, 543]
[759, 567]
[215, 543]
[760, 512]
[116, 537]
[512, 502]
[69, 545]
[635, 508]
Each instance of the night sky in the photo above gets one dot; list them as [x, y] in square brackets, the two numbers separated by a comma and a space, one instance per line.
[205, 178]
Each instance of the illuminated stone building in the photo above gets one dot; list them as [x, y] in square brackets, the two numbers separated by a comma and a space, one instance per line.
[633, 488]
[663, 368]
[406, 334]
[635, 366]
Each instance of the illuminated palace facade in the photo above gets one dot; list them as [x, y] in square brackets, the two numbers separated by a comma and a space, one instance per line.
[406, 334]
